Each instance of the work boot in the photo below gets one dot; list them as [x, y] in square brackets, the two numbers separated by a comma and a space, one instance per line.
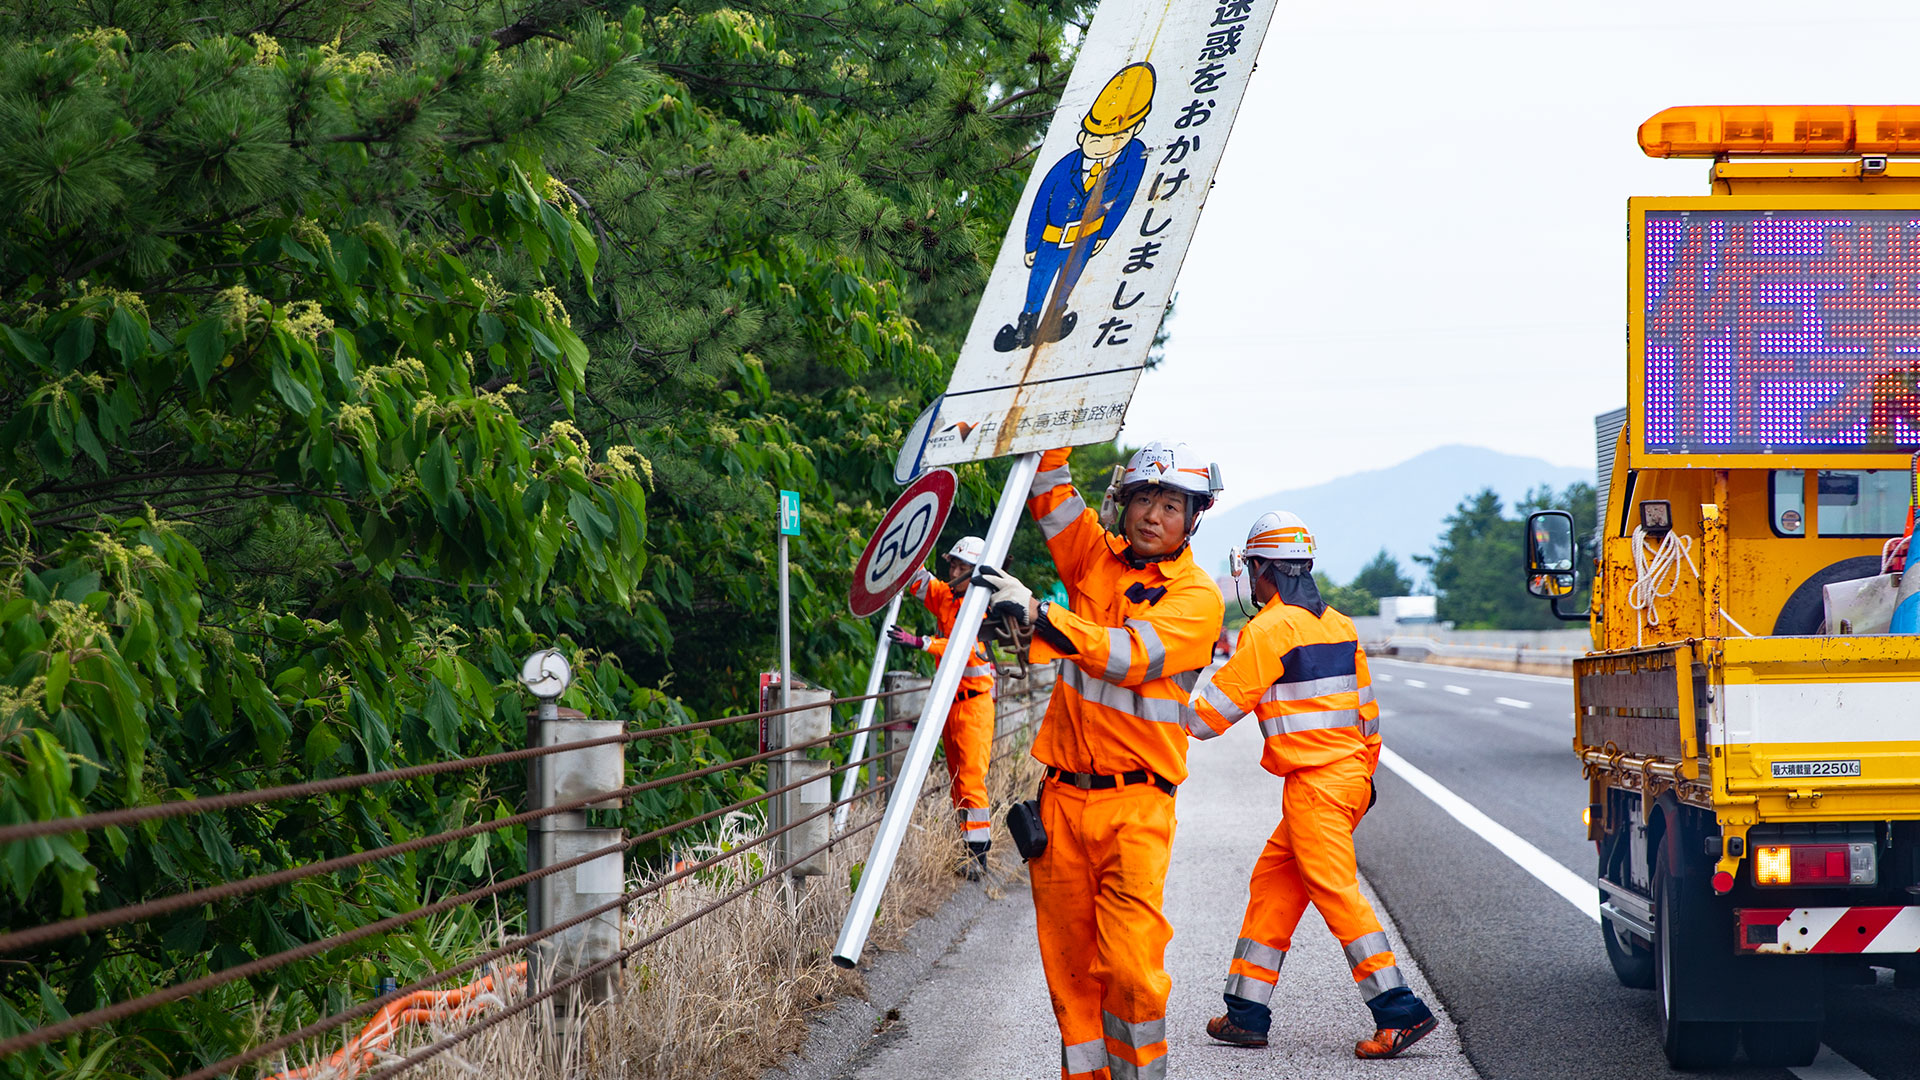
[1391, 1042]
[1008, 339]
[1225, 1030]
[1029, 324]
[1067, 323]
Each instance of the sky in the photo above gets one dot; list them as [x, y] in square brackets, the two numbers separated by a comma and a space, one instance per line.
[1417, 234]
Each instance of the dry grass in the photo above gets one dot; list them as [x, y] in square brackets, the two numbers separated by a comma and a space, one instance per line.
[727, 996]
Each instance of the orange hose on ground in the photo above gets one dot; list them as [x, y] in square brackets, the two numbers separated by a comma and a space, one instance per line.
[419, 1007]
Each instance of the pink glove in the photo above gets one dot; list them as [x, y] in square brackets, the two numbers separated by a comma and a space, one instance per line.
[901, 636]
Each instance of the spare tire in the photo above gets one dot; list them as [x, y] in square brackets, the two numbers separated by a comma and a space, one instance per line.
[1805, 611]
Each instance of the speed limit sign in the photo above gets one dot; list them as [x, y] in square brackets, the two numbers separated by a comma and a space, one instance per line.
[900, 545]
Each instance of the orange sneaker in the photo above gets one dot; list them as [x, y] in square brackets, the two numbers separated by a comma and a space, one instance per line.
[1390, 1042]
[1225, 1030]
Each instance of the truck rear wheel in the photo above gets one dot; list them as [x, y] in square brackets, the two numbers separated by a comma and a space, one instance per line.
[1783, 1043]
[1632, 962]
[1685, 963]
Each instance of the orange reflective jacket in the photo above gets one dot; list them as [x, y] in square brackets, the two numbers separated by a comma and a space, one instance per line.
[1138, 634]
[977, 677]
[1306, 678]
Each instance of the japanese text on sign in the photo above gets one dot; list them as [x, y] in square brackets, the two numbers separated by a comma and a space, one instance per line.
[1766, 331]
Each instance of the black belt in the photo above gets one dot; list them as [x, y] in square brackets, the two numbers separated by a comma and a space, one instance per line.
[966, 694]
[1101, 781]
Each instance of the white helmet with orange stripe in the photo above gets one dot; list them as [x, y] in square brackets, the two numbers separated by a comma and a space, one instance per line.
[1279, 535]
[1175, 468]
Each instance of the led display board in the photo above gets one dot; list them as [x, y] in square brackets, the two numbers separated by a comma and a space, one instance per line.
[1758, 331]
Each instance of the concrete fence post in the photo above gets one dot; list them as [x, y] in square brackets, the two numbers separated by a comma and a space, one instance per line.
[551, 900]
[903, 712]
[805, 725]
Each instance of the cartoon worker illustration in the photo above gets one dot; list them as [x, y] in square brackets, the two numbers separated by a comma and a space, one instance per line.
[1085, 194]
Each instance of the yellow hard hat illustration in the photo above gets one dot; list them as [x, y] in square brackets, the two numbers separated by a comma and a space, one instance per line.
[1123, 102]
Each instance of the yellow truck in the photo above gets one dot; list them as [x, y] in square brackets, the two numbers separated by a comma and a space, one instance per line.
[1748, 722]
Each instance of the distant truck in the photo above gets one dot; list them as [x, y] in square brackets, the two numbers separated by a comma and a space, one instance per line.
[1753, 766]
[1408, 609]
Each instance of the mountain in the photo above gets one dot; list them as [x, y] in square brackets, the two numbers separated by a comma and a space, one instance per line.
[1401, 508]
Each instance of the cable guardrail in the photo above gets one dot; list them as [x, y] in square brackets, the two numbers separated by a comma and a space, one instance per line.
[30, 938]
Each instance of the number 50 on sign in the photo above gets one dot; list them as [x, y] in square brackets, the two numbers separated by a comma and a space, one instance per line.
[901, 543]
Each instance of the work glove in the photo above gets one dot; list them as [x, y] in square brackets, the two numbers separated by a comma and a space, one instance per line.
[902, 636]
[1010, 598]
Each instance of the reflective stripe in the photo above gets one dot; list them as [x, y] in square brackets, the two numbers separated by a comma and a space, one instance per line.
[1186, 680]
[1244, 986]
[1366, 693]
[1139, 1036]
[1369, 728]
[1290, 723]
[1121, 699]
[978, 671]
[976, 813]
[1119, 654]
[1054, 521]
[1084, 1057]
[1221, 703]
[1047, 481]
[1312, 688]
[1380, 982]
[1265, 956]
[1363, 948]
[1121, 1069]
[1156, 652]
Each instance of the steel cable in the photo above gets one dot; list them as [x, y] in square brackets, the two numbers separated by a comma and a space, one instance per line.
[26, 939]
[228, 800]
[121, 1010]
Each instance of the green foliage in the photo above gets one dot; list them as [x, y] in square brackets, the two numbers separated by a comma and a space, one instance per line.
[351, 350]
[1476, 565]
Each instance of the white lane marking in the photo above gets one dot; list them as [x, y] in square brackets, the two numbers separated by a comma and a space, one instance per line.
[1384, 677]
[1452, 689]
[1571, 886]
[1828, 1065]
[1558, 680]
[1416, 682]
[1514, 703]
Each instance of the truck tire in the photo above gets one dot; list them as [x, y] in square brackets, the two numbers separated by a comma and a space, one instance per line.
[1806, 609]
[1632, 962]
[1786, 1044]
[1685, 963]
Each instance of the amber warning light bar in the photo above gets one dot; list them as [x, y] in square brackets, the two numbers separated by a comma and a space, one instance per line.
[1808, 130]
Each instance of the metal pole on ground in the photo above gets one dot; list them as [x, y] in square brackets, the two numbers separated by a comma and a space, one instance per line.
[859, 749]
[933, 719]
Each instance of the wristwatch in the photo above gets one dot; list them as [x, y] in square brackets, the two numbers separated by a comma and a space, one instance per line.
[1040, 612]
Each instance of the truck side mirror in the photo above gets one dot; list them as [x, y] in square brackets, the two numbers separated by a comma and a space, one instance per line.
[1549, 548]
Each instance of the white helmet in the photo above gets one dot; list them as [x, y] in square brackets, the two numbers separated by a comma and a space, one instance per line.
[1279, 535]
[968, 549]
[1175, 468]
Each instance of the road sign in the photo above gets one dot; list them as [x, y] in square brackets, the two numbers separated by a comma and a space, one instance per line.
[789, 513]
[907, 466]
[902, 541]
[1088, 265]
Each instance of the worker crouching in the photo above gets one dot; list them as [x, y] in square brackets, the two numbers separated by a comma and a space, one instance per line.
[1142, 623]
[968, 735]
[1299, 668]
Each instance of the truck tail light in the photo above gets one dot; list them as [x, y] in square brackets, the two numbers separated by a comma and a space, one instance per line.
[1815, 864]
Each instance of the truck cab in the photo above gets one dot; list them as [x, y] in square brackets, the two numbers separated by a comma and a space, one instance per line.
[1749, 720]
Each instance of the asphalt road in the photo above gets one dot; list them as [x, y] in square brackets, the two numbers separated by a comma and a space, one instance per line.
[984, 1015]
[1519, 967]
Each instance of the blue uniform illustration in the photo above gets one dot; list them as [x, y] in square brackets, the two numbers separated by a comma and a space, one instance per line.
[1061, 234]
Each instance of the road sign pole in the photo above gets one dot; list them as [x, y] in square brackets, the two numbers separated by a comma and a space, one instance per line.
[859, 749]
[933, 720]
[789, 526]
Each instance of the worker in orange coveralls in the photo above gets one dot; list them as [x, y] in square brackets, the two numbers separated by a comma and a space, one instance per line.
[1143, 621]
[1299, 668]
[968, 736]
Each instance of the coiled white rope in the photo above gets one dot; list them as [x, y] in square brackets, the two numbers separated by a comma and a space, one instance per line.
[1656, 576]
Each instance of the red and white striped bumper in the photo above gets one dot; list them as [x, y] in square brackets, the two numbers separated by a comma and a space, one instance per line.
[1829, 930]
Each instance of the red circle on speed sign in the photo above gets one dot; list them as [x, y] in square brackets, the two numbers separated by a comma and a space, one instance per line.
[903, 540]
